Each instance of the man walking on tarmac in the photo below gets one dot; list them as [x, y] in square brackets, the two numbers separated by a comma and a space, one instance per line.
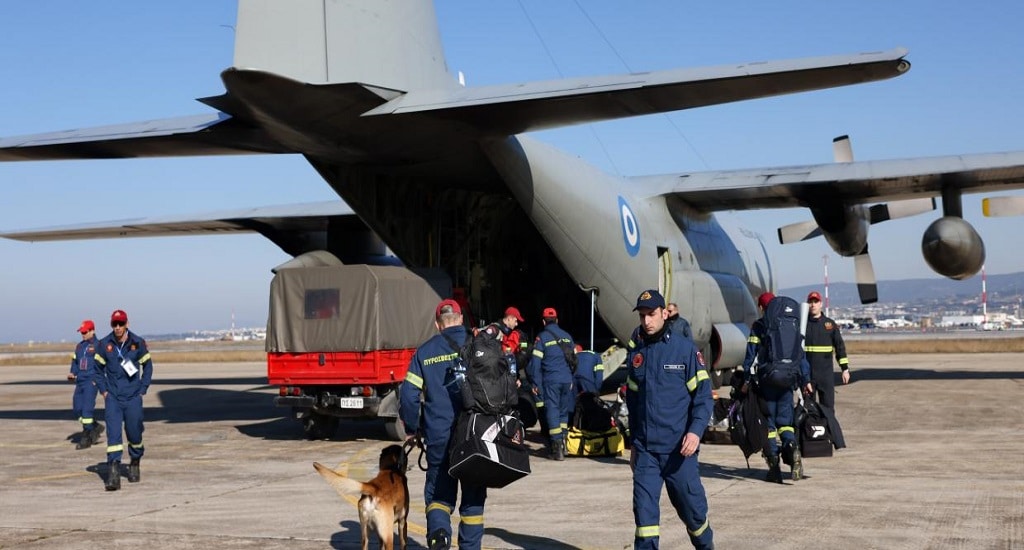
[126, 371]
[774, 386]
[669, 399]
[823, 339]
[434, 378]
[83, 373]
[551, 370]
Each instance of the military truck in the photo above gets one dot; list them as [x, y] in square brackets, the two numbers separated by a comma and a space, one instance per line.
[340, 338]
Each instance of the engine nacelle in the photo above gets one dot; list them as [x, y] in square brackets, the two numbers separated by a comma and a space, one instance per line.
[728, 345]
[953, 248]
[845, 228]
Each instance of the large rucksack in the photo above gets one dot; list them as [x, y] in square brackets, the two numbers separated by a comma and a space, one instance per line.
[781, 352]
[490, 385]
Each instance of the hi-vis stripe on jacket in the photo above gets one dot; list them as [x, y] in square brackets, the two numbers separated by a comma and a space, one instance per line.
[109, 356]
[668, 392]
[822, 340]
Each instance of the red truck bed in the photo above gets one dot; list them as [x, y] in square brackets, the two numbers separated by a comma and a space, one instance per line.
[339, 367]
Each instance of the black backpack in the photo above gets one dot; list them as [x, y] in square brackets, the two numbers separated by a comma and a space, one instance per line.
[778, 361]
[490, 386]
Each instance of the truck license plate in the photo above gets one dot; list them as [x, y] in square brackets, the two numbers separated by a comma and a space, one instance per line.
[351, 402]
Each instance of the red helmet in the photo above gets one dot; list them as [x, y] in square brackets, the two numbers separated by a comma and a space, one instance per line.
[762, 300]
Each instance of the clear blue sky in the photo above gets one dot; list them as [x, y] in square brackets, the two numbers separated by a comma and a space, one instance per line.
[71, 64]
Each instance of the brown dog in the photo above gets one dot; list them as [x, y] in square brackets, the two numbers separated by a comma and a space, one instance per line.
[385, 498]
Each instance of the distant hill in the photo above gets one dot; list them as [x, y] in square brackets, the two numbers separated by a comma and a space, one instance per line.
[1000, 287]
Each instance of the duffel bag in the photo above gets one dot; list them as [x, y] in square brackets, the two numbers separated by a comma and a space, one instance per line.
[488, 450]
[584, 443]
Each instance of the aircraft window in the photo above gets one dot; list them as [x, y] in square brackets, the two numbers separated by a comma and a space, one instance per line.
[322, 303]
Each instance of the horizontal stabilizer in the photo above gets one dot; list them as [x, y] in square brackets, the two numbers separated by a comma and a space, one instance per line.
[209, 134]
[309, 217]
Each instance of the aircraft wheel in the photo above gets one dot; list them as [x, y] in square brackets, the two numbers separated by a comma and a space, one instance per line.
[395, 429]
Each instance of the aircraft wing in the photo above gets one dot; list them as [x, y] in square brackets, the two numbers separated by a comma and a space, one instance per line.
[847, 182]
[297, 218]
[209, 134]
[516, 108]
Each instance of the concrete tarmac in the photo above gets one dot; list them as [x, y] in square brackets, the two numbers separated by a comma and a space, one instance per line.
[935, 460]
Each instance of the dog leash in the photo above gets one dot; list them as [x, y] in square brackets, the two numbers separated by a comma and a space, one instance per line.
[413, 443]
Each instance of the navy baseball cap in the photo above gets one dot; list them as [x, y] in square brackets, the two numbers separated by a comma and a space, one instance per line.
[650, 299]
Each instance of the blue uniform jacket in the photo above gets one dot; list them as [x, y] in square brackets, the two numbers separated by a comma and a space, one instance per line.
[589, 372]
[547, 364]
[114, 379]
[431, 376]
[83, 361]
[668, 392]
[754, 347]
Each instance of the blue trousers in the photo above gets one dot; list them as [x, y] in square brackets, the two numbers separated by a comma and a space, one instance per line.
[780, 418]
[559, 402]
[681, 476]
[440, 493]
[84, 404]
[124, 415]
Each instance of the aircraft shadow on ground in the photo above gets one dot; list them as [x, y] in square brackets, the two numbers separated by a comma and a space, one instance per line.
[289, 429]
[896, 373]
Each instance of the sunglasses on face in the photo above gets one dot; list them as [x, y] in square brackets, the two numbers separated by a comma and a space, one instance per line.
[117, 324]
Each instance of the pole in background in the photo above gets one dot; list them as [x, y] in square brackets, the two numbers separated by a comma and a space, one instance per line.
[984, 297]
[825, 259]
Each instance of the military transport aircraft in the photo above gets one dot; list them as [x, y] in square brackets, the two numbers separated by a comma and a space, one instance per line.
[434, 172]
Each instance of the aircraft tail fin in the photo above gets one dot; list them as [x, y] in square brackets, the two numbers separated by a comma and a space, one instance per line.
[392, 44]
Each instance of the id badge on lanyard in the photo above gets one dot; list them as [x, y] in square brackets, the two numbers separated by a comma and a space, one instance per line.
[129, 367]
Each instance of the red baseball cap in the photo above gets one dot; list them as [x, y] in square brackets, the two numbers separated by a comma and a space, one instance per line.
[449, 303]
[118, 316]
[513, 311]
[814, 296]
[86, 326]
[762, 300]
[549, 312]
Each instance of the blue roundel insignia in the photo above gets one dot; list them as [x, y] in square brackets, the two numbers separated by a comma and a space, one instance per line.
[630, 229]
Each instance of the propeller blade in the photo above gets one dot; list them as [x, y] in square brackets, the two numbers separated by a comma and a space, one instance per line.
[901, 209]
[1002, 206]
[796, 232]
[865, 273]
[842, 150]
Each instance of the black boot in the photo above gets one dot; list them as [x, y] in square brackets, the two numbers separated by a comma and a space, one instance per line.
[113, 475]
[559, 450]
[96, 432]
[439, 540]
[85, 440]
[774, 471]
[133, 471]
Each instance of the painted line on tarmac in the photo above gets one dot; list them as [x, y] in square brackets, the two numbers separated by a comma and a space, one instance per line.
[52, 477]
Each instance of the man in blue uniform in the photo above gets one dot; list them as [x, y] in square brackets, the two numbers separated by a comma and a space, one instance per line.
[668, 392]
[589, 371]
[777, 401]
[435, 375]
[551, 375]
[126, 371]
[82, 373]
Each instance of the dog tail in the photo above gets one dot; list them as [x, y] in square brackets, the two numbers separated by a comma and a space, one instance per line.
[343, 484]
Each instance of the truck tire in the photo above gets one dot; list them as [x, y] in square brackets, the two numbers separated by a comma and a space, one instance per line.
[394, 428]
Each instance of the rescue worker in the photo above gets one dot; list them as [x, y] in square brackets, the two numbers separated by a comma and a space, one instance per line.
[506, 332]
[435, 375]
[126, 370]
[551, 374]
[821, 341]
[589, 371]
[776, 402]
[669, 399]
[678, 323]
[83, 373]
